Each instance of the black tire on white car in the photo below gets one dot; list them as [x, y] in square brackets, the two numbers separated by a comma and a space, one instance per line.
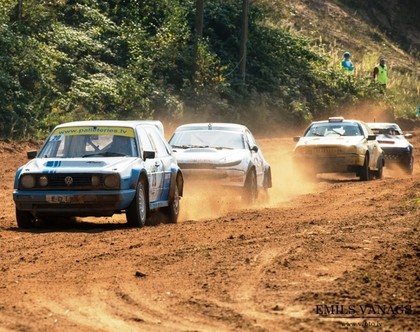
[136, 213]
[172, 211]
[364, 170]
[24, 219]
[250, 190]
[409, 167]
[380, 172]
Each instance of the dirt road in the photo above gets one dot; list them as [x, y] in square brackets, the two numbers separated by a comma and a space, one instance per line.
[335, 254]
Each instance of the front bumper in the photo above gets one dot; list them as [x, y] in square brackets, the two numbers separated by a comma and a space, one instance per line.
[217, 177]
[393, 155]
[73, 203]
[343, 163]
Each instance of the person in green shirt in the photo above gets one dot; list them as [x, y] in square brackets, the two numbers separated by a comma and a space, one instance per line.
[380, 73]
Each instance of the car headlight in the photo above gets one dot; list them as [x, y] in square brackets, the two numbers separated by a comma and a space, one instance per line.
[350, 149]
[43, 181]
[27, 181]
[361, 148]
[95, 180]
[229, 161]
[112, 181]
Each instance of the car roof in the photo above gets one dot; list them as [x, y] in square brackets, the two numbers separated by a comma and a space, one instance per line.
[212, 126]
[342, 120]
[121, 123]
[382, 125]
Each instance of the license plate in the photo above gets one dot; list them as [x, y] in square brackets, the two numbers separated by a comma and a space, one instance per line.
[59, 199]
[326, 150]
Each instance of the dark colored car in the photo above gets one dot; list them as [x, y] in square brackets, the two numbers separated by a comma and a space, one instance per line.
[397, 149]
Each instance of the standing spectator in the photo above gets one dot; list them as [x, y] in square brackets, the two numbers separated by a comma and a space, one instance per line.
[346, 64]
[380, 73]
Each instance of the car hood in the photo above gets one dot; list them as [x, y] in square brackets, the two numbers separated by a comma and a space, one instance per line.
[77, 165]
[316, 141]
[392, 142]
[208, 155]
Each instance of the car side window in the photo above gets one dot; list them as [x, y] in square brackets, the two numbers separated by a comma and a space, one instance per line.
[250, 139]
[366, 130]
[160, 146]
[145, 143]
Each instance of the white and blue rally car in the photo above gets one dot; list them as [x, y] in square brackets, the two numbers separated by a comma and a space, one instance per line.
[100, 168]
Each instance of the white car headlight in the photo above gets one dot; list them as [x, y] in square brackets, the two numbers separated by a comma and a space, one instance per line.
[112, 181]
[95, 180]
[230, 161]
[27, 181]
[43, 181]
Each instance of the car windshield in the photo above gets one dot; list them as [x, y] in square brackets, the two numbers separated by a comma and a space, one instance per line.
[333, 129]
[84, 142]
[207, 139]
[386, 131]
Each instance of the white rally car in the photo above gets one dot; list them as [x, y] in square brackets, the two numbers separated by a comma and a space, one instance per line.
[99, 168]
[338, 145]
[224, 155]
[397, 149]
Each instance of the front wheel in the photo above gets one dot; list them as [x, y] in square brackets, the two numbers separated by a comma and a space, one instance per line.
[172, 211]
[380, 172]
[24, 219]
[136, 213]
[364, 171]
[409, 167]
[250, 191]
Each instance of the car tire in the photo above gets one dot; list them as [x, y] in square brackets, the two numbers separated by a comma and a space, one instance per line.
[364, 170]
[136, 213]
[250, 191]
[172, 211]
[24, 219]
[380, 172]
[409, 167]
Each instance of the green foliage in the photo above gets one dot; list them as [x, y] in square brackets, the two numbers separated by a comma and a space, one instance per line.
[130, 59]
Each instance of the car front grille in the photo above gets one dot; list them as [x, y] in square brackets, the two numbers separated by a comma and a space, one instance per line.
[78, 180]
[395, 154]
[197, 166]
[70, 181]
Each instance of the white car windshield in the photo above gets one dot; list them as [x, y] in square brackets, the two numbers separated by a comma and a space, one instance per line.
[333, 129]
[84, 142]
[207, 139]
[387, 131]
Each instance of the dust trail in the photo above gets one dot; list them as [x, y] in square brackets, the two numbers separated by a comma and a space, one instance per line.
[202, 202]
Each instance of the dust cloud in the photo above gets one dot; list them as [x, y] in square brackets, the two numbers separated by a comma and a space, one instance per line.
[367, 111]
[205, 201]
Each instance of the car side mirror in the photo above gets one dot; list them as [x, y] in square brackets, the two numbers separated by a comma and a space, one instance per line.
[296, 139]
[149, 155]
[254, 148]
[408, 135]
[31, 154]
[371, 137]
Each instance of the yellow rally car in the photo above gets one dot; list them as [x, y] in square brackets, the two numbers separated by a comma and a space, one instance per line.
[338, 145]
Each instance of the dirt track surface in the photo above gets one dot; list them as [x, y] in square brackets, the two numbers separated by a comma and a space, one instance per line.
[336, 246]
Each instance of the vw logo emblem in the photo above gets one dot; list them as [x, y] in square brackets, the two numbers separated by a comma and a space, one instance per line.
[68, 180]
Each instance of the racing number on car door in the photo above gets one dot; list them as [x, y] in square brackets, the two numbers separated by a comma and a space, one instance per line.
[162, 162]
[153, 166]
